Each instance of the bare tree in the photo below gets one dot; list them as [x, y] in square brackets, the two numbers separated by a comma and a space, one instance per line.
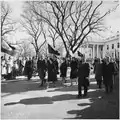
[74, 21]
[43, 50]
[53, 35]
[34, 28]
[25, 49]
[7, 24]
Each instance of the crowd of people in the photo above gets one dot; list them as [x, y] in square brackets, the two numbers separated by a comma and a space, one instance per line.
[105, 70]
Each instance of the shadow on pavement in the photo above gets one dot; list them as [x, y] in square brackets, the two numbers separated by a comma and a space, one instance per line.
[32, 101]
[22, 86]
[73, 88]
[25, 86]
[104, 106]
[50, 100]
[43, 100]
[100, 107]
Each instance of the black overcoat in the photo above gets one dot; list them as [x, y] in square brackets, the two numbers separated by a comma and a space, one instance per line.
[52, 72]
[83, 72]
[108, 73]
[41, 67]
[74, 68]
[28, 67]
[63, 69]
[56, 65]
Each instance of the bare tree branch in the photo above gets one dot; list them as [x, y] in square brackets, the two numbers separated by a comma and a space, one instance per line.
[7, 24]
[73, 21]
[33, 27]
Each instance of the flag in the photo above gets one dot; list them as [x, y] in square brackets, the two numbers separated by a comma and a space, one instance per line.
[7, 48]
[52, 51]
[10, 52]
[13, 48]
[80, 54]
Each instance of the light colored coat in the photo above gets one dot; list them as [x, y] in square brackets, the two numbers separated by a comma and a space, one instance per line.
[9, 66]
[3, 67]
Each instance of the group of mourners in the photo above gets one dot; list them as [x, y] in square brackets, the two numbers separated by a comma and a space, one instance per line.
[105, 70]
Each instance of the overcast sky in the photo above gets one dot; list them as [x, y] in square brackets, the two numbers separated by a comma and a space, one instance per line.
[112, 21]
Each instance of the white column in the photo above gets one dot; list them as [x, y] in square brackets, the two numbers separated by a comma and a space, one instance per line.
[93, 51]
[104, 51]
[97, 51]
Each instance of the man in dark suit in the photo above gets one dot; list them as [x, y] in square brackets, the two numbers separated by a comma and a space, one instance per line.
[41, 67]
[56, 64]
[83, 74]
[52, 72]
[108, 75]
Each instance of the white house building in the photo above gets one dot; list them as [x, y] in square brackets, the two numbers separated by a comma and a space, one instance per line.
[108, 47]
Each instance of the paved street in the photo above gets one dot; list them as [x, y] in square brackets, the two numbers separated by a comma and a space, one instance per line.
[25, 100]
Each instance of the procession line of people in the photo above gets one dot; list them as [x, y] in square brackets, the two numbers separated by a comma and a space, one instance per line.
[105, 71]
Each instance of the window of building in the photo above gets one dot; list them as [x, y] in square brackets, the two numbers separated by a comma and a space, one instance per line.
[117, 45]
[107, 47]
[112, 46]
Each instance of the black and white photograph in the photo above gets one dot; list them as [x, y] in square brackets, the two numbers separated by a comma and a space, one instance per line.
[60, 59]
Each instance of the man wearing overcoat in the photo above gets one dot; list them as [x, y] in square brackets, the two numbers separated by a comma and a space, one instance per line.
[83, 75]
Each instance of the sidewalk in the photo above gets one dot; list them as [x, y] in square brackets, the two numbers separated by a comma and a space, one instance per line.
[25, 100]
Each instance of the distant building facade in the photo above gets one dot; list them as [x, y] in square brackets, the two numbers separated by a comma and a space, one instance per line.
[109, 47]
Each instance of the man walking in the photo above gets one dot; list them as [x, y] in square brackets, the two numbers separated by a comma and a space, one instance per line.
[41, 67]
[73, 73]
[83, 74]
[108, 75]
[98, 73]
[63, 70]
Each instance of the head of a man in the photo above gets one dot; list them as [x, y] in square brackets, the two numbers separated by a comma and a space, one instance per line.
[82, 59]
[112, 60]
[73, 58]
[40, 57]
[9, 57]
[98, 60]
[2, 58]
[107, 59]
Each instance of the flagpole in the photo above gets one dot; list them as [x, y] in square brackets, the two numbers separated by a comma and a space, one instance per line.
[47, 52]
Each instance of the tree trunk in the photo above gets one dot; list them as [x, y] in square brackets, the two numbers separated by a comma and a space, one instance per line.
[53, 43]
[37, 53]
[67, 54]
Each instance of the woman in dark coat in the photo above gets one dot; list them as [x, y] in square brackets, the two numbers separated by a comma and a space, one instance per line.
[74, 68]
[108, 75]
[63, 70]
[28, 68]
[56, 64]
[52, 72]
